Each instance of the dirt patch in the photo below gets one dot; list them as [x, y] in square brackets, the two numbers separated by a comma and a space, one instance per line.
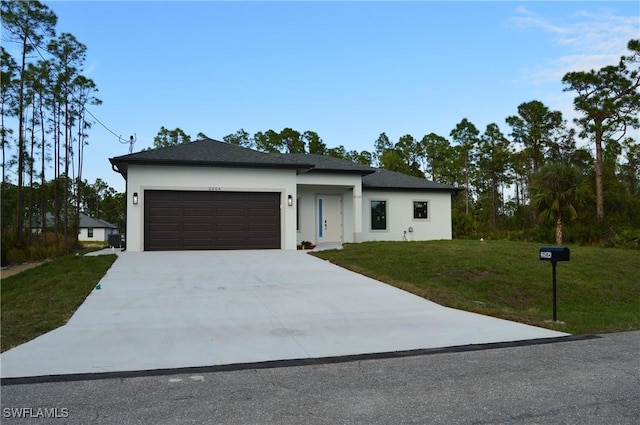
[13, 270]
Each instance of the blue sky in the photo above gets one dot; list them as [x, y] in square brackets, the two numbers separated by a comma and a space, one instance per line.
[348, 71]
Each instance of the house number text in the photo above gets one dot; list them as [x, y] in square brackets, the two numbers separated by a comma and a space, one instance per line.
[215, 188]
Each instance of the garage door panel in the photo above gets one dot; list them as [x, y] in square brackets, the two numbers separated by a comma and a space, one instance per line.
[239, 230]
[259, 212]
[159, 230]
[253, 209]
[198, 225]
[196, 229]
[164, 225]
[183, 220]
[263, 230]
[197, 212]
[261, 221]
[236, 233]
[260, 244]
[260, 236]
[165, 212]
[229, 212]
[166, 208]
[193, 244]
[166, 244]
[195, 235]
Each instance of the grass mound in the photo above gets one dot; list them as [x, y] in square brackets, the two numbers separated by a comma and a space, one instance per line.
[598, 290]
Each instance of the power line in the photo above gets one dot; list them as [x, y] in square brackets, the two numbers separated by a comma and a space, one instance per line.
[132, 139]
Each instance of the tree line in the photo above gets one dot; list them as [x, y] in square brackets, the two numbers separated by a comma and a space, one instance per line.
[44, 130]
[516, 180]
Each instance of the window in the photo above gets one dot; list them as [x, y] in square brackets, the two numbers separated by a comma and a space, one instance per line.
[420, 210]
[378, 215]
[90, 232]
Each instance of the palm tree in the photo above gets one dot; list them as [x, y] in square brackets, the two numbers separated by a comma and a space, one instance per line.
[559, 190]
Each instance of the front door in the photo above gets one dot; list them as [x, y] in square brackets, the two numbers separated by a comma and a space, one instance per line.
[329, 213]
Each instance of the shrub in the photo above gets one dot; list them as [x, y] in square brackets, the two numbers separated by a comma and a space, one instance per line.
[464, 226]
[8, 242]
[42, 252]
[44, 245]
[16, 256]
[628, 239]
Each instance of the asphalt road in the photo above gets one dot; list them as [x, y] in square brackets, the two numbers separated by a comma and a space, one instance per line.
[590, 381]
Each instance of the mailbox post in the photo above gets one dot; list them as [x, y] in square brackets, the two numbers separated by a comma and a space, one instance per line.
[554, 254]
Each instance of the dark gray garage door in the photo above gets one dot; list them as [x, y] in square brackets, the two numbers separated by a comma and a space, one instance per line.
[180, 220]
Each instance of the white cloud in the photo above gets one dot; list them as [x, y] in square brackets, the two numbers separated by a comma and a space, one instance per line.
[581, 41]
[588, 41]
[91, 68]
[527, 18]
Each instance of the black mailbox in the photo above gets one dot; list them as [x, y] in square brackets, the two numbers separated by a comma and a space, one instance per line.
[554, 253]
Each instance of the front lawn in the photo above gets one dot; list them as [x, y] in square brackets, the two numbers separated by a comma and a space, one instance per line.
[41, 299]
[598, 290]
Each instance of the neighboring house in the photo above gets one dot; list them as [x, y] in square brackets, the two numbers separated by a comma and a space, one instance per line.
[90, 229]
[93, 229]
[212, 195]
[36, 222]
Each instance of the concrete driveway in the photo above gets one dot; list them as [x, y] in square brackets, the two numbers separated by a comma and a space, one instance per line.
[165, 310]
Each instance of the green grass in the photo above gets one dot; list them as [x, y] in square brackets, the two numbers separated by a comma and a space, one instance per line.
[41, 299]
[598, 290]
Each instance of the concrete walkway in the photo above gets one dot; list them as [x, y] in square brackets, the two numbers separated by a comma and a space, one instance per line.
[164, 310]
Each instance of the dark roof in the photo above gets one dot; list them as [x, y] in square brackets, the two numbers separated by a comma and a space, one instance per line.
[385, 179]
[325, 163]
[206, 152]
[373, 178]
[86, 221]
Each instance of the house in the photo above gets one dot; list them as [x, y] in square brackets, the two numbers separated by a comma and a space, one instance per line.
[93, 229]
[90, 229]
[212, 195]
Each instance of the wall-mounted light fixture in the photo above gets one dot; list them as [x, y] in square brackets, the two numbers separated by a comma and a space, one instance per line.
[135, 198]
[290, 200]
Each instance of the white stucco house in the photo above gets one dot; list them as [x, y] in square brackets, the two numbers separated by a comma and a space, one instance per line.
[92, 229]
[89, 228]
[212, 195]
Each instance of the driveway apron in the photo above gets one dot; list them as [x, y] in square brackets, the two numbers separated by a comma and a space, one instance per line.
[165, 310]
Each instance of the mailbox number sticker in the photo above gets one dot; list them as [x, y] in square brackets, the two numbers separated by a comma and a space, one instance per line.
[545, 254]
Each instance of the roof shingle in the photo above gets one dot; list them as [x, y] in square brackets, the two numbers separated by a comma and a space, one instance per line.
[385, 179]
[372, 178]
[86, 221]
[329, 163]
[206, 152]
